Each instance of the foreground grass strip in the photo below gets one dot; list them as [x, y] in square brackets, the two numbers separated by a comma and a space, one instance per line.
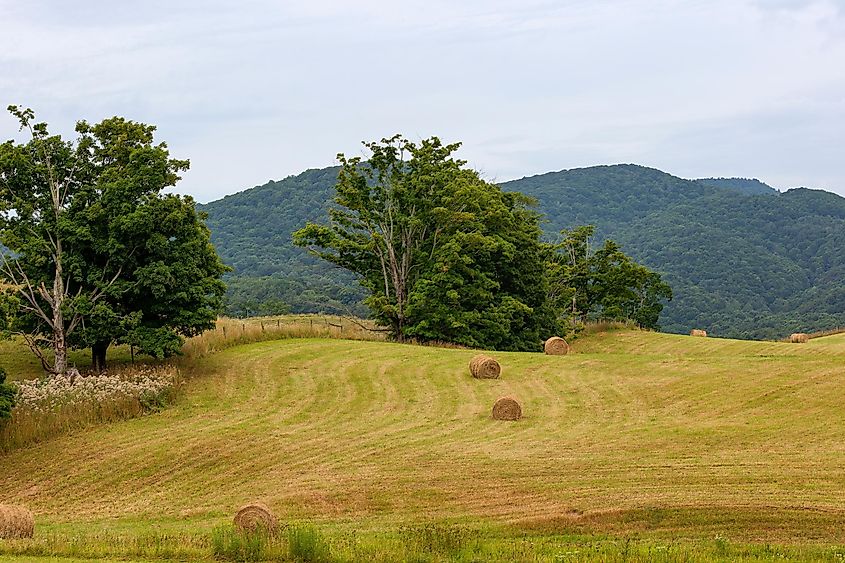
[431, 542]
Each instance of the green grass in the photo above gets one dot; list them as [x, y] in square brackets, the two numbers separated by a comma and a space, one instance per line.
[638, 446]
[20, 363]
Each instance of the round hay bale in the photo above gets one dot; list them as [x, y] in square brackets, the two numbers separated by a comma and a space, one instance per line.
[484, 367]
[15, 522]
[698, 332]
[507, 408]
[799, 337]
[255, 516]
[556, 346]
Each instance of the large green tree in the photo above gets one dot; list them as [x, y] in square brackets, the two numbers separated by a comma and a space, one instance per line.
[99, 254]
[443, 254]
[587, 283]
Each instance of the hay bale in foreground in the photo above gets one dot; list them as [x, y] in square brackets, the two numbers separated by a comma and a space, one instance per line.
[255, 516]
[484, 367]
[507, 408]
[556, 346]
[698, 332]
[15, 522]
[799, 337]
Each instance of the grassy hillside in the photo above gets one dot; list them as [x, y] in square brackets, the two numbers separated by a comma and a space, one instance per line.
[643, 434]
[744, 260]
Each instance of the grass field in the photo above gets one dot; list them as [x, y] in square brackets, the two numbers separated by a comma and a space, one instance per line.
[638, 446]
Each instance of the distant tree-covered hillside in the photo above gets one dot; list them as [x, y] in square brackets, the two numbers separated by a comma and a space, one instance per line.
[742, 185]
[743, 259]
[252, 232]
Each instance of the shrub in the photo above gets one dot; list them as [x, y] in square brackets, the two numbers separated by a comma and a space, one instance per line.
[145, 384]
[306, 544]
[45, 408]
[7, 397]
[229, 544]
[430, 539]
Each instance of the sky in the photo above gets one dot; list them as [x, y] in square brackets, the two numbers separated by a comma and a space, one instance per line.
[256, 90]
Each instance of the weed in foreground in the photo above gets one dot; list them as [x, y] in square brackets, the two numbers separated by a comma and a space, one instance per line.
[229, 544]
[306, 544]
[438, 539]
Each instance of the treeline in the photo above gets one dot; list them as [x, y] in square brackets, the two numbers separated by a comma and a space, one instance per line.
[249, 296]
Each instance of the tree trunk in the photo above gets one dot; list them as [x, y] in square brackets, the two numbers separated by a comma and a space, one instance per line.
[98, 356]
[59, 351]
[59, 340]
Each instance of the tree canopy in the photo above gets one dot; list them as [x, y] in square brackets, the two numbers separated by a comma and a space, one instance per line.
[603, 283]
[442, 254]
[99, 254]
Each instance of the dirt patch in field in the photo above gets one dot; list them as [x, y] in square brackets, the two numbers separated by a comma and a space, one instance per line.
[747, 524]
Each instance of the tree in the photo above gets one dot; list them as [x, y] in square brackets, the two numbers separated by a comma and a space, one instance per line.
[38, 181]
[442, 254]
[387, 220]
[98, 254]
[604, 283]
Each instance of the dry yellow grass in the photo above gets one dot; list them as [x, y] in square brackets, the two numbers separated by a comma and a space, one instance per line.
[236, 332]
[636, 432]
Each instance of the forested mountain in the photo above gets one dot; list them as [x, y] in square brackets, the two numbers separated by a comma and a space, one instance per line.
[743, 259]
[252, 231]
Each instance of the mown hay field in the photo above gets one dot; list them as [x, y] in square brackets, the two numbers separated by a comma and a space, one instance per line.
[634, 434]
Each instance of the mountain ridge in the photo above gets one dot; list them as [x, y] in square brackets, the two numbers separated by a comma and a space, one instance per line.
[744, 260]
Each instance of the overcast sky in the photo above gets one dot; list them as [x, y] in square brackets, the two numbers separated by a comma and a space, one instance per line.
[256, 90]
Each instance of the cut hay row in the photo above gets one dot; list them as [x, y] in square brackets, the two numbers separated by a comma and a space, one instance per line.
[484, 367]
[556, 346]
[15, 522]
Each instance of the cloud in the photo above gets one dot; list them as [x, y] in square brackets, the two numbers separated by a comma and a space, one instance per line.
[258, 89]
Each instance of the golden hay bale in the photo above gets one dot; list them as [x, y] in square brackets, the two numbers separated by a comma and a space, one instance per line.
[255, 516]
[484, 367]
[507, 408]
[799, 337]
[698, 332]
[15, 522]
[556, 346]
